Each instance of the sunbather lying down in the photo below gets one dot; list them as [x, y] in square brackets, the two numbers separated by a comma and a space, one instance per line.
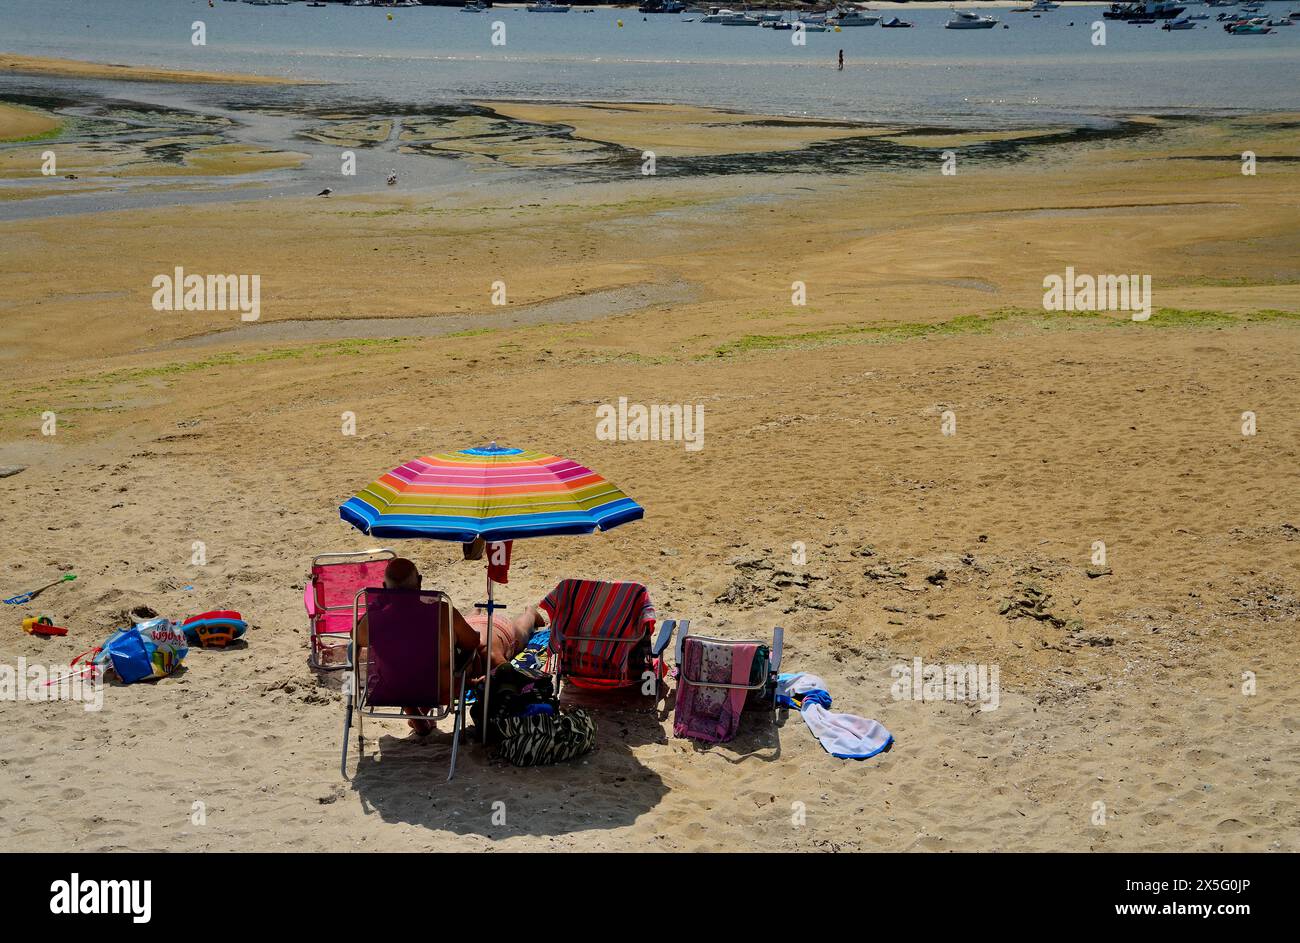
[508, 636]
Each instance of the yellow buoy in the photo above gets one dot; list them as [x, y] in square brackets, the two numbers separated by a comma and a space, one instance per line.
[390, 16]
[837, 29]
[620, 24]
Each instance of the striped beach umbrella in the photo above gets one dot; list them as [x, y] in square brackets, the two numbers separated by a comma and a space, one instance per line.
[491, 492]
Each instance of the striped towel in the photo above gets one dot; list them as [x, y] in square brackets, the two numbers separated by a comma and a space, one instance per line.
[615, 616]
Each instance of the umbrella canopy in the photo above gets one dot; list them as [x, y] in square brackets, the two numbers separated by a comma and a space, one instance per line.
[492, 492]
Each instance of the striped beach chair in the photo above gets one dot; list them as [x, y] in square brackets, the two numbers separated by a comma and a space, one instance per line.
[601, 636]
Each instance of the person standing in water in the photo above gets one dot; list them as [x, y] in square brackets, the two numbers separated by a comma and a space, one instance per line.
[841, 68]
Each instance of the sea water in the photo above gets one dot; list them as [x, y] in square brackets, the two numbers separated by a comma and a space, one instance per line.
[1040, 70]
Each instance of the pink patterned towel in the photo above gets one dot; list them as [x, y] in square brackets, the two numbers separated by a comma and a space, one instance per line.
[708, 713]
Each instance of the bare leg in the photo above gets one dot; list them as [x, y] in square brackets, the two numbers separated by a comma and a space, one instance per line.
[422, 727]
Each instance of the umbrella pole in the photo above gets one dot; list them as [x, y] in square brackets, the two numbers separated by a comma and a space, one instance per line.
[487, 667]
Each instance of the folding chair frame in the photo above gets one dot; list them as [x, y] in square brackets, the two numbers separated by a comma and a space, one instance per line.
[769, 678]
[357, 691]
[313, 656]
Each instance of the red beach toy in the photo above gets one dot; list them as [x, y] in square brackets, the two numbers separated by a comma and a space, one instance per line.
[41, 625]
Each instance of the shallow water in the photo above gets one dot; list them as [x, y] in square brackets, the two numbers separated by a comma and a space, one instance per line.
[1038, 71]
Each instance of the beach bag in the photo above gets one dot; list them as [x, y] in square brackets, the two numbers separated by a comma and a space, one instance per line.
[126, 652]
[542, 739]
[146, 651]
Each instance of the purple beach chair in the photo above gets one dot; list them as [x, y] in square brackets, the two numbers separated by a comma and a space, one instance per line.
[410, 661]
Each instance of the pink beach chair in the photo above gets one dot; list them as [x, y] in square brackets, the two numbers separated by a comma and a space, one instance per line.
[409, 661]
[332, 586]
[718, 679]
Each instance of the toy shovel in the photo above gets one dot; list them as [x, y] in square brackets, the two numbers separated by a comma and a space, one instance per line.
[28, 597]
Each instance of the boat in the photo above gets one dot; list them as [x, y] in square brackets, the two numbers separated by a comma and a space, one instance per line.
[1144, 10]
[741, 19]
[1180, 23]
[546, 6]
[1281, 22]
[1246, 28]
[1038, 6]
[662, 6]
[852, 17]
[895, 23]
[361, 3]
[964, 19]
[717, 15]
[474, 6]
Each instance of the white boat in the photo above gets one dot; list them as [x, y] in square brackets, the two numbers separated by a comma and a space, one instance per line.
[741, 19]
[852, 18]
[717, 15]
[476, 6]
[361, 3]
[1038, 6]
[1180, 23]
[964, 19]
[545, 6]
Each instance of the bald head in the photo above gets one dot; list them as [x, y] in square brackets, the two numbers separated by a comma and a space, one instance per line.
[401, 574]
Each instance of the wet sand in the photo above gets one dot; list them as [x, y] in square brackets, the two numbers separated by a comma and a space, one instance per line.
[73, 68]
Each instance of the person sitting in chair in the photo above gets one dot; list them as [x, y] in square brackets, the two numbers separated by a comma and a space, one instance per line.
[508, 636]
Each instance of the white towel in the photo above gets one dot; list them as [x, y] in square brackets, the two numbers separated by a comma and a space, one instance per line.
[845, 736]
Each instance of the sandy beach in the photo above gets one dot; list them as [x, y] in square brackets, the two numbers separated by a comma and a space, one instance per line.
[73, 68]
[1160, 685]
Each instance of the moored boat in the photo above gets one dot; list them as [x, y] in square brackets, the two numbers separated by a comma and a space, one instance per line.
[965, 19]
[1145, 10]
